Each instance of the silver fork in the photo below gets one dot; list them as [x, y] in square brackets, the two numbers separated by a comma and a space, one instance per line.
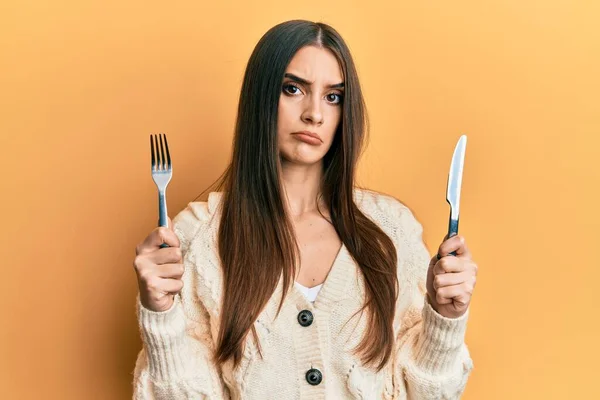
[162, 172]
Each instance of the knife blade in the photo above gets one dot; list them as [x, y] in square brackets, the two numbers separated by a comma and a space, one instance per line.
[454, 185]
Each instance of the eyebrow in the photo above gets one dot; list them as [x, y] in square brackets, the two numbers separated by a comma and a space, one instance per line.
[305, 82]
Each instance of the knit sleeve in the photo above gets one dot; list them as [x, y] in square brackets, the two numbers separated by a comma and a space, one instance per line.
[431, 358]
[175, 361]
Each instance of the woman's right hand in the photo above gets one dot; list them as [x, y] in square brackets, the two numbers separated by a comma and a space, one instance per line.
[159, 270]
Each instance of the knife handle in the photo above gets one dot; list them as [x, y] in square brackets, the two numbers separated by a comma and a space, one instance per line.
[452, 230]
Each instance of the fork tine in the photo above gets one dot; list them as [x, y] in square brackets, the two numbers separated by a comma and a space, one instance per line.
[152, 151]
[157, 150]
[162, 152]
[168, 155]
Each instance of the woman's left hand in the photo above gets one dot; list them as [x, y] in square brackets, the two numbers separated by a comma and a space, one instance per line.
[451, 279]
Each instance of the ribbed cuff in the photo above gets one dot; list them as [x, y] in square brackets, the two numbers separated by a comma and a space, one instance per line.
[440, 341]
[165, 340]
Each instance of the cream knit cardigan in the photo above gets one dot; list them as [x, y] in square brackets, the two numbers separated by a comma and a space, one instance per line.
[430, 359]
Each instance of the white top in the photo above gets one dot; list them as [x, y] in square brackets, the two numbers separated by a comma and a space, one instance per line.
[310, 293]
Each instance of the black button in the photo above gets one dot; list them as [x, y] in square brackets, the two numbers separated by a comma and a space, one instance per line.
[305, 318]
[314, 376]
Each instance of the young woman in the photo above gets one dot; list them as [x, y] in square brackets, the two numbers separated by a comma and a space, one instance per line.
[292, 282]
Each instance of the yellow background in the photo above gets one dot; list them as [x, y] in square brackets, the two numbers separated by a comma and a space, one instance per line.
[83, 84]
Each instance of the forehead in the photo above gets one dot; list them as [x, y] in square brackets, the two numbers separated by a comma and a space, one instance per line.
[316, 64]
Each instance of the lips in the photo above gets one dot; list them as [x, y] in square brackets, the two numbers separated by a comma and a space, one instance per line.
[309, 137]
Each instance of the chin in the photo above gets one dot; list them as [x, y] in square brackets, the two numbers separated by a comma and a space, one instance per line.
[303, 160]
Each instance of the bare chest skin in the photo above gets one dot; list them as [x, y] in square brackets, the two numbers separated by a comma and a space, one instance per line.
[319, 245]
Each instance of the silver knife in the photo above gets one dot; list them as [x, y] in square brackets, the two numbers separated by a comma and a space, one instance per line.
[454, 185]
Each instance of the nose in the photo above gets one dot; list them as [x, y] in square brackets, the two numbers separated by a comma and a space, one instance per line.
[312, 113]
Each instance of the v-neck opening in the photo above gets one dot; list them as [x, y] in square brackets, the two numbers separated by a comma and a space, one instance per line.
[308, 288]
[335, 287]
[336, 278]
[335, 259]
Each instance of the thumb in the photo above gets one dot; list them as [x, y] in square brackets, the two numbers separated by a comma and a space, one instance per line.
[169, 223]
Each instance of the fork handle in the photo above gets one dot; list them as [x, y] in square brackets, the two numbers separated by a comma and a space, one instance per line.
[162, 213]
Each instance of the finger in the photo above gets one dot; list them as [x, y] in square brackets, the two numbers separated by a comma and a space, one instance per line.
[157, 237]
[172, 271]
[448, 265]
[168, 255]
[451, 279]
[457, 293]
[170, 285]
[456, 244]
[441, 299]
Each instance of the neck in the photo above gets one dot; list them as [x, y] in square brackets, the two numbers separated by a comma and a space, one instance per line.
[301, 185]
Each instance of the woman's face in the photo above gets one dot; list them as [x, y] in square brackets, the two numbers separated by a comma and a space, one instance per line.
[310, 101]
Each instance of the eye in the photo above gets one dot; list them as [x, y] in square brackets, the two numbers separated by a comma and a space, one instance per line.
[334, 98]
[292, 89]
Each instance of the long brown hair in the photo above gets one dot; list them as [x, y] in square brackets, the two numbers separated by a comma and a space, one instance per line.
[256, 239]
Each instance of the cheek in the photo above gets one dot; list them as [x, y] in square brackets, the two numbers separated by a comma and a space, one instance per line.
[333, 119]
[284, 113]
[283, 124]
[336, 114]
